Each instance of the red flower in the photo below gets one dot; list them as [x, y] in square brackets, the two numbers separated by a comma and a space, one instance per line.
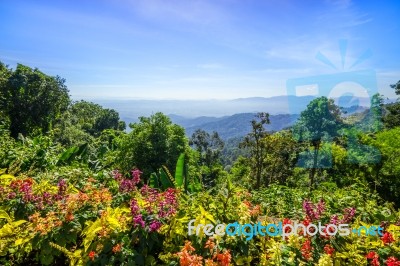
[117, 248]
[210, 244]
[387, 238]
[329, 250]
[392, 261]
[224, 258]
[186, 258]
[306, 250]
[306, 222]
[375, 258]
[375, 262]
[92, 255]
[371, 255]
[285, 222]
[325, 231]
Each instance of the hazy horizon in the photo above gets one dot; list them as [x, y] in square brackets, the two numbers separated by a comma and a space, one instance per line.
[131, 109]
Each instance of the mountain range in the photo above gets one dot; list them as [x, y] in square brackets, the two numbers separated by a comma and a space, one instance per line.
[237, 125]
[131, 109]
[230, 118]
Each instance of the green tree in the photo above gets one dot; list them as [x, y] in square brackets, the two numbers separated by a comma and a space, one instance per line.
[153, 142]
[372, 122]
[85, 120]
[108, 119]
[4, 76]
[396, 87]
[392, 117]
[209, 147]
[281, 157]
[320, 121]
[256, 144]
[31, 100]
[384, 176]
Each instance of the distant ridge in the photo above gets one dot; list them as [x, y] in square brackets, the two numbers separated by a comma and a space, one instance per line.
[237, 125]
[131, 109]
[231, 118]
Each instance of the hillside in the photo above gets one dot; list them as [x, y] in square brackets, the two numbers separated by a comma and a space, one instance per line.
[236, 125]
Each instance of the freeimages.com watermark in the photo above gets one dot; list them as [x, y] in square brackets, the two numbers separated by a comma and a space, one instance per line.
[284, 230]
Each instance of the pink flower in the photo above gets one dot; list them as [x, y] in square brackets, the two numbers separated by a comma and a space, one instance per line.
[116, 174]
[320, 207]
[154, 226]
[138, 220]
[62, 187]
[313, 212]
[134, 207]
[126, 185]
[136, 175]
[334, 219]
[348, 215]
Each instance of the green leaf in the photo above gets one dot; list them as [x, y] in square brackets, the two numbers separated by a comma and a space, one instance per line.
[179, 171]
[4, 215]
[67, 155]
[82, 150]
[154, 181]
[165, 181]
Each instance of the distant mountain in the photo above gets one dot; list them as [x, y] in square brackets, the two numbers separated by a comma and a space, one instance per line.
[237, 125]
[130, 110]
[207, 110]
[230, 118]
[192, 122]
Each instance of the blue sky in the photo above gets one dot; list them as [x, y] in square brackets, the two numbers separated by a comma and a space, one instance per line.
[157, 49]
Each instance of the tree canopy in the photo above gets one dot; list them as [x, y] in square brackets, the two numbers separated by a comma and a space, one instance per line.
[30, 99]
[320, 121]
[153, 142]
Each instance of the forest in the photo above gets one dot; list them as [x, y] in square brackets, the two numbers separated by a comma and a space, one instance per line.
[77, 189]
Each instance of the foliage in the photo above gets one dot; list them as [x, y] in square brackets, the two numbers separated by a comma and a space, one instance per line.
[392, 118]
[163, 179]
[209, 148]
[89, 223]
[281, 157]
[31, 100]
[27, 155]
[231, 152]
[152, 143]
[385, 177]
[396, 87]
[83, 121]
[319, 122]
[255, 142]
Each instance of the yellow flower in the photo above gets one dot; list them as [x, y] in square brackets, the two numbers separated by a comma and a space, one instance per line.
[292, 257]
[294, 241]
[325, 260]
